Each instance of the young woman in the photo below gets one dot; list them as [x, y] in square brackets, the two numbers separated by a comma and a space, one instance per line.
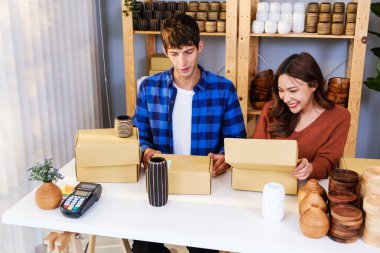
[300, 111]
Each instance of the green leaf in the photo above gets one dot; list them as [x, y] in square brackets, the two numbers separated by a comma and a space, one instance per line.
[376, 51]
[375, 33]
[375, 8]
[374, 83]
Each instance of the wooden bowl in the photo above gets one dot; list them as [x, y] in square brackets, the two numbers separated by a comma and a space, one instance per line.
[215, 6]
[373, 186]
[325, 7]
[171, 6]
[201, 25]
[325, 17]
[313, 7]
[311, 29]
[201, 15]
[182, 6]
[223, 6]
[371, 239]
[324, 28]
[371, 204]
[191, 14]
[337, 28]
[193, 6]
[338, 17]
[351, 7]
[350, 17]
[338, 7]
[338, 90]
[371, 171]
[210, 26]
[213, 15]
[221, 26]
[351, 240]
[338, 95]
[258, 105]
[204, 6]
[345, 176]
[350, 28]
[222, 15]
[341, 186]
[341, 197]
[344, 212]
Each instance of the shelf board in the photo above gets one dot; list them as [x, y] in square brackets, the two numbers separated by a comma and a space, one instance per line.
[158, 33]
[251, 111]
[303, 35]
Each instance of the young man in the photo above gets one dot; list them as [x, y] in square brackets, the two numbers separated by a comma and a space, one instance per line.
[186, 110]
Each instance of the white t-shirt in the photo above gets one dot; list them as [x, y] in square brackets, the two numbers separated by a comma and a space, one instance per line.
[182, 113]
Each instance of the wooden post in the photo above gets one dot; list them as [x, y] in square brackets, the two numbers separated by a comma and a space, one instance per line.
[129, 62]
[49, 241]
[356, 77]
[231, 41]
[125, 246]
[91, 244]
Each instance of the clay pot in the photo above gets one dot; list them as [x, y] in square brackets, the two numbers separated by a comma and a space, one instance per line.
[311, 185]
[312, 198]
[48, 196]
[314, 222]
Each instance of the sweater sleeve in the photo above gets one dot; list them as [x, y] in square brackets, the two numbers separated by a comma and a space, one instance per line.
[261, 130]
[328, 155]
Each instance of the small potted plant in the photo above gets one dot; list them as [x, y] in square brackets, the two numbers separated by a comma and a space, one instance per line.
[48, 195]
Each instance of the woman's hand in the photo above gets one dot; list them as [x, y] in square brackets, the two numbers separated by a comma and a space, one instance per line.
[303, 169]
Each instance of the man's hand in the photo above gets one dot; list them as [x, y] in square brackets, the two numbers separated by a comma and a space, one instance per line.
[303, 169]
[148, 153]
[220, 166]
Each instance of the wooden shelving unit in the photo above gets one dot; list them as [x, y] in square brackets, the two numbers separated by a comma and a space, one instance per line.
[248, 63]
[150, 43]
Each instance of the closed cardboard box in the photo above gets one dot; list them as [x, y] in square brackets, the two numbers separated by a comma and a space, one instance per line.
[152, 72]
[101, 156]
[160, 62]
[357, 164]
[188, 174]
[258, 162]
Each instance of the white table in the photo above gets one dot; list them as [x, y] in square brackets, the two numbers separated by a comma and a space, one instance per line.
[226, 220]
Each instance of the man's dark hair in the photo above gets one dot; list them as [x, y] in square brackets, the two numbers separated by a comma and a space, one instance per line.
[178, 31]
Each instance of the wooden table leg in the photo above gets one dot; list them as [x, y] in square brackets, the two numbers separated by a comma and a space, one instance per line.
[125, 246]
[91, 244]
[62, 243]
[76, 243]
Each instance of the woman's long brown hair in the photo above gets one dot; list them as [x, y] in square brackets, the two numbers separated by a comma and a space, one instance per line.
[300, 66]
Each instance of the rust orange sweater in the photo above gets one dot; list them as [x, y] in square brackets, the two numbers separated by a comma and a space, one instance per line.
[321, 143]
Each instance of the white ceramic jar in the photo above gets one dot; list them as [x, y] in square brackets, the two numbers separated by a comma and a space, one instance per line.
[299, 7]
[262, 15]
[284, 27]
[287, 16]
[258, 26]
[263, 6]
[298, 17]
[275, 6]
[274, 16]
[273, 202]
[298, 27]
[287, 7]
[270, 27]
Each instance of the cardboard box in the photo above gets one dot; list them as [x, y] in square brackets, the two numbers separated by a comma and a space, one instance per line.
[152, 72]
[188, 174]
[357, 164]
[101, 156]
[160, 62]
[257, 162]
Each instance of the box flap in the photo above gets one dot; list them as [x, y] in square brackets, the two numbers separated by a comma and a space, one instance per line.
[101, 147]
[258, 154]
[187, 163]
[357, 164]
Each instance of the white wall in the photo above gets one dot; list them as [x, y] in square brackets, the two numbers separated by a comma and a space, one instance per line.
[328, 53]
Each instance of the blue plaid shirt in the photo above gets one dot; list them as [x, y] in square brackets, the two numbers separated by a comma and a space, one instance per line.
[216, 113]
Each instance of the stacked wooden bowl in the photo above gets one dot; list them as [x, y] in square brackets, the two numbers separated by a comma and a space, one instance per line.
[260, 90]
[346, 223]
[337, 27]
[312, 205]
[312, 14]
[338, 90]
[371, 232]
[368, 174]
[324, 23]
[344, 180]
[210, 16]
[351, 18]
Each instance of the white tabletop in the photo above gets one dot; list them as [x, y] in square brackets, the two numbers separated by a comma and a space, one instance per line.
[226, 220]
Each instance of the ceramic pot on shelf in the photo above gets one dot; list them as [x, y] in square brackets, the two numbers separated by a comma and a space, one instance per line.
[48, 196]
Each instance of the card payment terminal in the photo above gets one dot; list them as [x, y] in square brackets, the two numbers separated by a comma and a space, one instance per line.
[81, 199]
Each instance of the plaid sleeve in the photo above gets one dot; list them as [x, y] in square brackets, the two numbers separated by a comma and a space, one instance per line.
[233, 121]
[141, 119]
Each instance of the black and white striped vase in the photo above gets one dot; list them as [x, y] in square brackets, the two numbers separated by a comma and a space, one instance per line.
[157, 176]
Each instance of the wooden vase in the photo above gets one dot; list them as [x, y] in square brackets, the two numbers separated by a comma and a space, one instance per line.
[312, 198]
[48, 196]
[311, 185]
[314, 223]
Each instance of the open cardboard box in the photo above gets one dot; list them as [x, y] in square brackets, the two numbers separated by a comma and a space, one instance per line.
[101, 156]
[188, 174]
[257, 162]
[160, 62]
[357, 164]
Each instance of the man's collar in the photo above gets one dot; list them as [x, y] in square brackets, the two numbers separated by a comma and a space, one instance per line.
[201, 85]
